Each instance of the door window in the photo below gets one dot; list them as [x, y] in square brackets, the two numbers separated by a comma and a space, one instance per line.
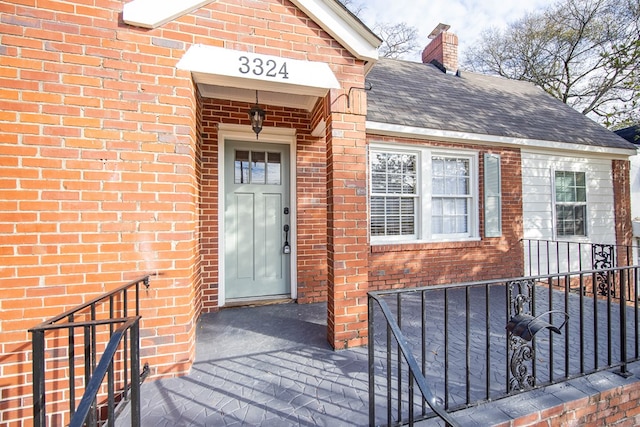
[257, 167]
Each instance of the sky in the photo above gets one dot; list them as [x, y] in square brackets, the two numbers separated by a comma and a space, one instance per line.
[468, 18]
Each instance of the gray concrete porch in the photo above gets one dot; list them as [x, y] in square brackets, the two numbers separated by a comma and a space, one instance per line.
[272, 366]
[268, 366]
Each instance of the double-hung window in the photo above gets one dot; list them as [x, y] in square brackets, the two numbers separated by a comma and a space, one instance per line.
[393, 194]
[451, 196]
[571, 203]
[422, 194]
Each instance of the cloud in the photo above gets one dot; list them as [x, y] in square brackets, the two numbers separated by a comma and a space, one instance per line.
[468, 18]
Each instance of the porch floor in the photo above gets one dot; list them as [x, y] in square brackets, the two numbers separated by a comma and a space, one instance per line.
[272, 366]
[268, 366]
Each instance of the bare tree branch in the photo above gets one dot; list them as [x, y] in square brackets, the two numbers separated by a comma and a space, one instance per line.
[584, 52]
[399, 40]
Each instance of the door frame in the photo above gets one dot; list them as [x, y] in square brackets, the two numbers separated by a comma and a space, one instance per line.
[269, 135]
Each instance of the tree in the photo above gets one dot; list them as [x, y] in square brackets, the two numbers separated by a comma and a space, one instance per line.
[584, 52]
[398, 40]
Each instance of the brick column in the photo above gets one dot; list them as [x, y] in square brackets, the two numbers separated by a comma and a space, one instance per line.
[347, 229]
[622, 207]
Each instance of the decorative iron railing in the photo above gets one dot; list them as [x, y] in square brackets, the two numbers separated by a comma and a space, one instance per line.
[482, 341]
[74, 351]
[553, 256]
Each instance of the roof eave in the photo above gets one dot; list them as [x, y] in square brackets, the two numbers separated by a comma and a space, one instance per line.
[404, 131]
[330, 15]
[343, 26]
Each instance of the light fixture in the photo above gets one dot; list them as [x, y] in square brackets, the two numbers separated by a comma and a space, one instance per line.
[257, 116]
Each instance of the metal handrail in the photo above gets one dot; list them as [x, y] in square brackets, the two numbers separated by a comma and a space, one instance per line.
[44, 325]
[416, 373]
[106, 365]
[105, 303]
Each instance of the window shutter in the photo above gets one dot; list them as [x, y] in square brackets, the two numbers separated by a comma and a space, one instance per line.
[492, 196]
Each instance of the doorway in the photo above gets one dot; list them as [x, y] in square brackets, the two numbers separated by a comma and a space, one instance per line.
[257, 225]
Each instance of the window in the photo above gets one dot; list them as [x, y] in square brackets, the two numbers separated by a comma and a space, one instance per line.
[257, 167]
[571, 203]
[451, 195]
[393, 194]
[422, 195]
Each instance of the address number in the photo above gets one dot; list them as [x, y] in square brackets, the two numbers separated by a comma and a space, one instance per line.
[259, 67]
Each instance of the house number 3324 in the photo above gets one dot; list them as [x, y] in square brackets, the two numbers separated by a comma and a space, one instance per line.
[259, 67]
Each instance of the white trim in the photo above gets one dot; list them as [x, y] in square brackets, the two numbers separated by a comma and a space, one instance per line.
[333, 18]
[155, 13]
[320, 129]
[351, 34]
[269, 135]
[424, 194]
[403, 131]
[221, 66]
[234, 74]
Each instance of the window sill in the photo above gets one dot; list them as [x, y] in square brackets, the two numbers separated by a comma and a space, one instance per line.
[472, 242]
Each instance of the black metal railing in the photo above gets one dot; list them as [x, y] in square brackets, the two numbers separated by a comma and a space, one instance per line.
[74, 351]
[405, 356]
[483, 341]
[553, 256]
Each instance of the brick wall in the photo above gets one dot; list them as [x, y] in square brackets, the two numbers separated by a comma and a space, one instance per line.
[100, 164]
[619, 407]
[622, 206]
[310, 203]
[97, 158]
[411, 265]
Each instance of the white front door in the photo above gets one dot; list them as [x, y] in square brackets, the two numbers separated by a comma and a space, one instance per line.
[256, 220]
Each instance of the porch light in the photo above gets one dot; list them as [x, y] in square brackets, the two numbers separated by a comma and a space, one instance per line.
[257, 116]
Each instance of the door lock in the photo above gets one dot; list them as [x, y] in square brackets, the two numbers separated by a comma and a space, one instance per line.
[286, 249]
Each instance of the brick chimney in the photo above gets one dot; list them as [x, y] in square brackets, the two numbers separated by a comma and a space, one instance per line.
[443, 48]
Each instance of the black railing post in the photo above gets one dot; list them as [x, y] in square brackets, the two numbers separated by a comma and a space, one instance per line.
[389, 378]
[399, 322]
[636, 320]
[623, 324]
[135, 373]
[371, 354]
[39, 410]
[72, 366]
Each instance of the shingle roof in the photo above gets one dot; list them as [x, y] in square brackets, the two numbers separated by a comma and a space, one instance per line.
[421, 95]
[631, 134]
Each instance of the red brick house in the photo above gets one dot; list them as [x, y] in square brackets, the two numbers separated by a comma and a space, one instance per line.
[126, 148]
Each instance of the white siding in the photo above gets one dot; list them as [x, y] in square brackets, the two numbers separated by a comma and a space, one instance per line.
[538, 211]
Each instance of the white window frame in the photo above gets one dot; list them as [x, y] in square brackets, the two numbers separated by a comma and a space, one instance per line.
[554, 197]
[423, 226]
[416, 197]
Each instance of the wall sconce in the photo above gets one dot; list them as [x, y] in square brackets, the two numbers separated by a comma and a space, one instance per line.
[257, 116]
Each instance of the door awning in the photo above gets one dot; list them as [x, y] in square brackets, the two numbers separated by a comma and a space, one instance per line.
[236, 75]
